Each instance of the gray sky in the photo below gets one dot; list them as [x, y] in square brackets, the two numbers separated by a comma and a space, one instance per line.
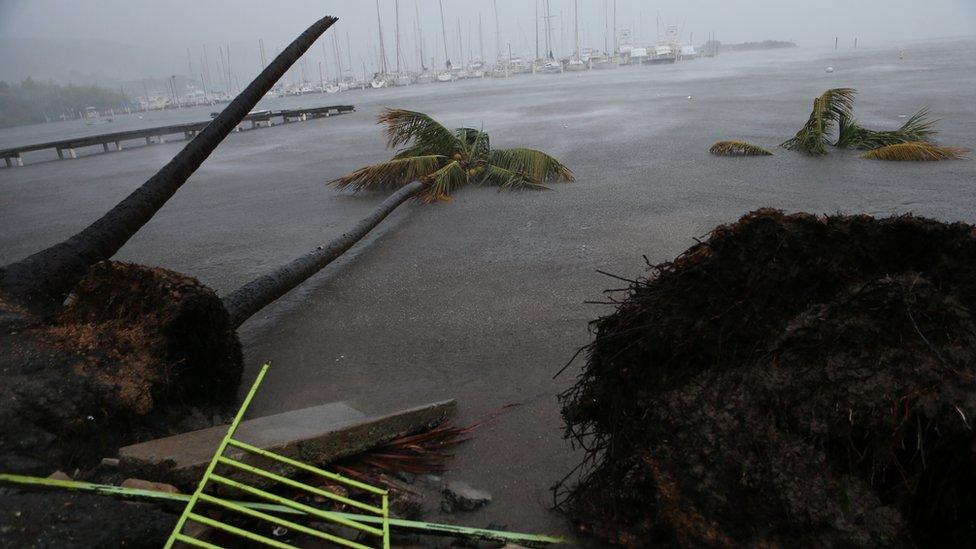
[111, 40]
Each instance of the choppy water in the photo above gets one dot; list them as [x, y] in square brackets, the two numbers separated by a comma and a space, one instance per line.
[481, 299]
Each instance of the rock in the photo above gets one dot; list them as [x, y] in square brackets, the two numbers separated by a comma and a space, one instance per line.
[59, 475]
[110, 462]
[459, 496]
[141, 484]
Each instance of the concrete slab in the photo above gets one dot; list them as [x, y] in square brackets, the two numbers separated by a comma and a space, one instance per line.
[318, 435]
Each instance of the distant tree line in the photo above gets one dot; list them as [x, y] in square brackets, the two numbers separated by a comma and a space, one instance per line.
[714, 46]
[32, 102]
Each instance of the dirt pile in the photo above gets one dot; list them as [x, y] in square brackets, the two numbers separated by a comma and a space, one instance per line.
[137, 352]
[792, 380]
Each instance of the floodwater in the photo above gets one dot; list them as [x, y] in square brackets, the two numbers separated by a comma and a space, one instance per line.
[482, 299]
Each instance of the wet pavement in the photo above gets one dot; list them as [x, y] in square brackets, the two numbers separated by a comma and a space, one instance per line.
[482, 299]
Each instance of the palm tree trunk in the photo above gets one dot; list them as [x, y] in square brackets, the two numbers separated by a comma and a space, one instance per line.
[42, 280]
[262, 291]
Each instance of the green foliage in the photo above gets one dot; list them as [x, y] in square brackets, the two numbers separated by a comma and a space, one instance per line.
[915, 152]
[32, 102]
[738, 148]
[916, 129]
[828, 109]
[446, 161]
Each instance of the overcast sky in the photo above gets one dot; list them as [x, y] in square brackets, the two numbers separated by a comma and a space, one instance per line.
[118, 39]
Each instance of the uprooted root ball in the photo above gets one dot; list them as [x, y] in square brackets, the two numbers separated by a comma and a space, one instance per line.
[792, 380]
[132, 352]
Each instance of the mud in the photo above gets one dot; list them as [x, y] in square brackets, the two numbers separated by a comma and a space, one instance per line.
[138, 352]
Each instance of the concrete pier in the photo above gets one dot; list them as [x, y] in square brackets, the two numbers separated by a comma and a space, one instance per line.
[13, 157]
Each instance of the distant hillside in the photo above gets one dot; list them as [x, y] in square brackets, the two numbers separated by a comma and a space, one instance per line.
[31, 102]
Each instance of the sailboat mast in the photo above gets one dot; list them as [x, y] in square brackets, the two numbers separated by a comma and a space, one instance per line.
[498, 34]
[420, 37]
[396, 11]
[335, 43]
[460, 44]
[616, 45]
[349, 55]
[379, 26]
[447, 58]
[481, 40]
[576, 27]
[536, 29]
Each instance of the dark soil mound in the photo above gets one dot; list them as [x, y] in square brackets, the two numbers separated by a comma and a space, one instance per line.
[83, 521]
[134, 351]
[793, 380]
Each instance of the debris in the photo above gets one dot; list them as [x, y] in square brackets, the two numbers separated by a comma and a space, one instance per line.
[793, 380]
[459, 496]
[59, 475]
[830, 69]
[319, 435]
[141, 484]
[110, 462]
[401, 525]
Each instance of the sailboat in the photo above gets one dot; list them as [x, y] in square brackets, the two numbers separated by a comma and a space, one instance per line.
[380, 79]
[575, 62]
[446, 75]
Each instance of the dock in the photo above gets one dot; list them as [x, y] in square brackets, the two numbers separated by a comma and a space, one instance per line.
[67, 148]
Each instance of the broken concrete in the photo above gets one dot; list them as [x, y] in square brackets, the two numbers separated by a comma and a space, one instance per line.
[318, 435]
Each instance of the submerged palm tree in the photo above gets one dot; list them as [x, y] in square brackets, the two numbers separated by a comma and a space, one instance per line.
[738, 148]
[828, 109]
[433, 163]
[444, 160]
[920, 151]
[918, 128]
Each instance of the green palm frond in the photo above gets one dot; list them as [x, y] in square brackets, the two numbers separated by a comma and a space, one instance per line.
[508, 179]
[832, 106]
[392, 174]
[428, 136]
[537, 165]
[444, 182]
[918, 128]
[738, 148]
[916, 152]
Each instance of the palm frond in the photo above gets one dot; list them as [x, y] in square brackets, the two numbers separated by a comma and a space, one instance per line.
[391, 174]
[916, 129]
[738, 148]
[832, 106]
[444, 182]
[916, 152]
[536, 165]
[509, 179]
[428, 136]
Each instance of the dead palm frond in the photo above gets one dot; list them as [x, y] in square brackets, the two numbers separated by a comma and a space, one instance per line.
[445, 161]
[918, 128]
[828, 109]
[738, 148]
[916, 152]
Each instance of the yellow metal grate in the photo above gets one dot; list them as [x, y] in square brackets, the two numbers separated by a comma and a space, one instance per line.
[378, 532]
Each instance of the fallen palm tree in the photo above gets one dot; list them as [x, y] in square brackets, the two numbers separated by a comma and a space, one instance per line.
[793, 380]
[918, 128]
[916, 152]
[828, 109]
[738, 148]
[96, 353]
